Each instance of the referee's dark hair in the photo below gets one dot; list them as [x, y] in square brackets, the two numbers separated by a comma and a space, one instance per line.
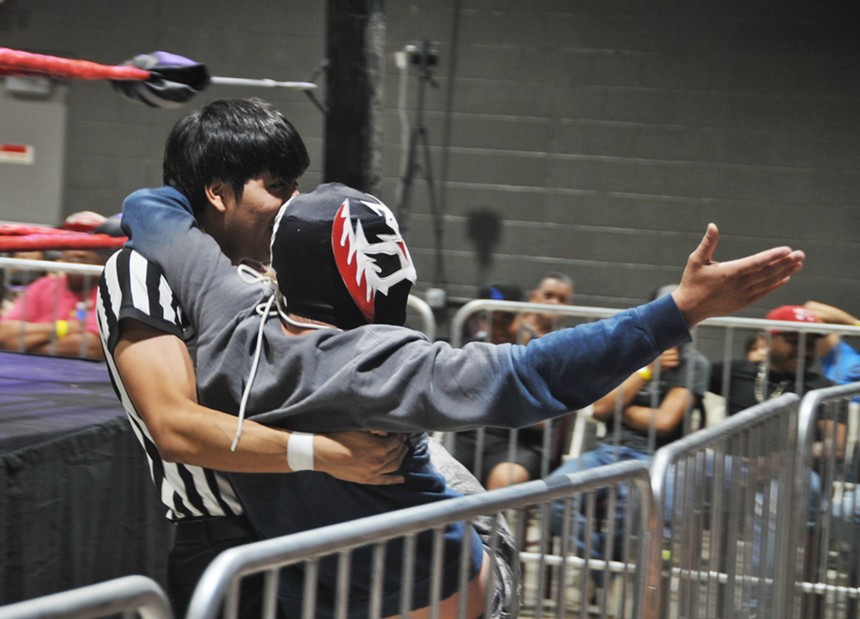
[231, 140]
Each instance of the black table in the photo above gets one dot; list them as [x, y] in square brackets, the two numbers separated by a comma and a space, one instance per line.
[77, 505]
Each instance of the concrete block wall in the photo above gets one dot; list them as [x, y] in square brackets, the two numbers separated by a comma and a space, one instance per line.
[604, 135]
[607, 134]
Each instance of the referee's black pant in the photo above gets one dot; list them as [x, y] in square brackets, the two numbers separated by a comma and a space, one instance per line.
[196, 544]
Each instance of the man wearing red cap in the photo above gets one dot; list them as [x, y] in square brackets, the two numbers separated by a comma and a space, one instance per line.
[751, 383]
[785, 366]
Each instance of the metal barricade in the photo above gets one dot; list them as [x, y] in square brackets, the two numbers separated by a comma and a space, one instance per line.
[543, 589]
[827, 535]
[426, 318]
[461, 316]
[720, 496]
[129, 595]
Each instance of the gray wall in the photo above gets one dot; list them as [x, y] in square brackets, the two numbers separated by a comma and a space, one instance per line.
[604, 135]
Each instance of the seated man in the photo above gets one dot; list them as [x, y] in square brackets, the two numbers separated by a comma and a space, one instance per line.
[753, 382]
[554, 288]
[493, 326]
[326, 352]
[500, 463]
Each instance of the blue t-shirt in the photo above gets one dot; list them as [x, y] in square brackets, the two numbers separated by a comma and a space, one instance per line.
[842, 364]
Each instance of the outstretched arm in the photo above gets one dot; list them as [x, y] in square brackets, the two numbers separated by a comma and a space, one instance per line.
[831, 315]
[709, 289]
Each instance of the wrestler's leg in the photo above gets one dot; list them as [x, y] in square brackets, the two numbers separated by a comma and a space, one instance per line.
[476, 592]
[507, 474]
[504, 557]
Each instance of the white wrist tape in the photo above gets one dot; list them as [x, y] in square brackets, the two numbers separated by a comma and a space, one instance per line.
[300, 451]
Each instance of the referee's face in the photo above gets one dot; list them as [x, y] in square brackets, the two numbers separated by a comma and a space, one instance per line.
[246, 227]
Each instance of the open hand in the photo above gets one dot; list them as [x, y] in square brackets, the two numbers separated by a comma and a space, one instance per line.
[710, 288]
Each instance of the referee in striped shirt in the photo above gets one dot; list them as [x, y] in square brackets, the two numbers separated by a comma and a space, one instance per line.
[237, 161]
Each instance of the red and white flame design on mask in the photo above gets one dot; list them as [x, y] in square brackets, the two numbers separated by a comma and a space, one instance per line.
[356, 260]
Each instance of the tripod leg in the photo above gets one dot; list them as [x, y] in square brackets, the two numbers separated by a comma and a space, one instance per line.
[406, 182]
[439, 268]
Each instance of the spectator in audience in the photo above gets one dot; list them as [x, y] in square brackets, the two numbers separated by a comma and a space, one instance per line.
[554, 288]
[535, 451]
[751, 383]
[756, 348]
[840, 361]
[15, 280]
[55, 314]
[494, 326]
[754, 382]
[643, 413]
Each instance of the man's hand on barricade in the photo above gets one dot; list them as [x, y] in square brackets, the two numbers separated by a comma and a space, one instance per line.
[709, 289]
[360, 456]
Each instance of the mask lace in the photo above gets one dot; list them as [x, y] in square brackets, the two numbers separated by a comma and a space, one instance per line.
[264, 310]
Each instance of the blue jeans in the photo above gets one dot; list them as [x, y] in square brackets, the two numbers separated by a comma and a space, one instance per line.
[602, 455]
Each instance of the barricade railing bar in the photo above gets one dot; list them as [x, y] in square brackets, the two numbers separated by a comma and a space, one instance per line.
[130, 595]
[219, 584]
[827, 539]
[425, 315]
[458, 321]
[50, 266]
[716, 494]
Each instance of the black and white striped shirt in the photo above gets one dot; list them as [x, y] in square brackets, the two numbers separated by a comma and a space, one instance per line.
[132, 287]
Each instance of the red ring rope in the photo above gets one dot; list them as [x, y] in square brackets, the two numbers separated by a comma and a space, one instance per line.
[15, 237]
[25, 229]
[25, 64]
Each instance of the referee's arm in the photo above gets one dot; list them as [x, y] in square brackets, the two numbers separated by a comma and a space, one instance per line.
[159, 377]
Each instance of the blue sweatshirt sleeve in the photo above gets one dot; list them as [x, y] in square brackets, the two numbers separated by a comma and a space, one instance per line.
[393, 379]
[154, 219]
[574, 367]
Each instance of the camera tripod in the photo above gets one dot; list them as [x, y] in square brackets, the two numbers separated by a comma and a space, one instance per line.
[418, 138]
